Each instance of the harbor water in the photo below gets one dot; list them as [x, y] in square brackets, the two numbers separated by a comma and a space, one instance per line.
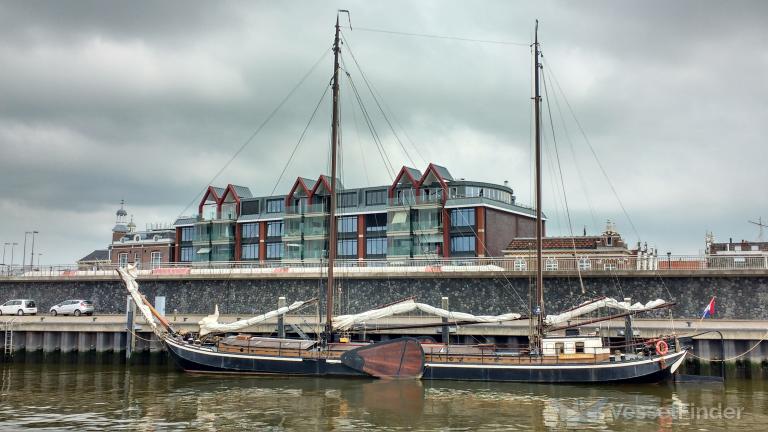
[106, 394]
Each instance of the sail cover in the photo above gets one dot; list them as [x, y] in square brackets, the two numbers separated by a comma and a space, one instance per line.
[344, 322]
[128, 275]
[211, 324]
[599, 304]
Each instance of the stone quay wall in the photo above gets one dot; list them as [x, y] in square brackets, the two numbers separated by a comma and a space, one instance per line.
[739, 296]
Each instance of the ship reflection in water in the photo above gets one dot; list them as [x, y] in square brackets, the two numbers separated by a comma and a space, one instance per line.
[159, 398]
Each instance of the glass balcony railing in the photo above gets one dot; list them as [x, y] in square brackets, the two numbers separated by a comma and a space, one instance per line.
[430, 225]
[306, 209]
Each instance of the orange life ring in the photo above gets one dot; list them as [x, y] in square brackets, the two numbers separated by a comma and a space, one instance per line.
[661, 347]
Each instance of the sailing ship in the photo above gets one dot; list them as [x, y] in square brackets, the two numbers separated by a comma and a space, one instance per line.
[569, 358]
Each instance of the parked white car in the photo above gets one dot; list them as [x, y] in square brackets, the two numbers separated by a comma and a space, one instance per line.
[73, 307]
[18, 307]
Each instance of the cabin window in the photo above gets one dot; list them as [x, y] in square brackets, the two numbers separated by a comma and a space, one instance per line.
[560, 348]
[579, 347]
[520, 265]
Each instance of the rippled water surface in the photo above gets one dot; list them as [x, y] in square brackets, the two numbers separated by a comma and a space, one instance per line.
[119, 397]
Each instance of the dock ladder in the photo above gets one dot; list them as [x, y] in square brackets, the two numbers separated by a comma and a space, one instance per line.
[8, 345]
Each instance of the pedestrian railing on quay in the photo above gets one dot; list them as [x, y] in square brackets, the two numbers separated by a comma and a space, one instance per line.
[523, 264]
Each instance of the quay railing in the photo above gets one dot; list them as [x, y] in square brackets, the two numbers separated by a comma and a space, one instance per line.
[608, 264]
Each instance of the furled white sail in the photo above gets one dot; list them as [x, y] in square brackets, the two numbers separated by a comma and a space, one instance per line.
[211, 324]
[599, 304]
[344, 322]
[128, 275]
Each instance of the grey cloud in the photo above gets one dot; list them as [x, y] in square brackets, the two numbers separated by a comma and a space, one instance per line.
[147, 100]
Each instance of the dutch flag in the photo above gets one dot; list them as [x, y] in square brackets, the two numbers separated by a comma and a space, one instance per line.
[709, 311]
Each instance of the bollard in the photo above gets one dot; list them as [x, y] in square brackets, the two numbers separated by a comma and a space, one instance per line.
[130, 339]
[280, 318]
[446, 329]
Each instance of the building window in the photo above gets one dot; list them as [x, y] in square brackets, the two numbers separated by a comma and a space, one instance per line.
[347, 248]
[250, 252]
[755, 247]
[274, 251]
[275, 229]
[609, 241]
[550, 264]
[229, 211]
[122, 260]
[585, 264]
[376, 246]
[137, 259]
[347, 224]
[209, 211]
[156, 258]
[249, 206]
[520, 265]
[463, 217]
[347, 199]
[376, 222]
[463, 244]
[376, 197]
[187, 254]
[250, 230]
[737, 248]
[275, 205]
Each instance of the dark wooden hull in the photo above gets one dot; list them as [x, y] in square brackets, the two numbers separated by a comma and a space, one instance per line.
[657, 369]
[651, 370]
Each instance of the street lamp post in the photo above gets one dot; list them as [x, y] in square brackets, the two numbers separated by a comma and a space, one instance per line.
[13, 247]
[4, 246]
[669, 260]
[32, 254]
[38, 259]
[24, 251]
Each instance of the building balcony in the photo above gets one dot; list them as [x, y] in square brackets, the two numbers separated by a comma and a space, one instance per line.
[416, 201]
[312, 209]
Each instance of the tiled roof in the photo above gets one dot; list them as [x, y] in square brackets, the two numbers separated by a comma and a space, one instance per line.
[242, 191]
[416, 174]
[588, 242]
[185, 220]
[97, 255]
[443, 171]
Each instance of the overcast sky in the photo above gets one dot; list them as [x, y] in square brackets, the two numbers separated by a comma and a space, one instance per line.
[147, 101]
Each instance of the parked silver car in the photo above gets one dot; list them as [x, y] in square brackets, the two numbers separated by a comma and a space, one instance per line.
[73, 307]
[18, 307]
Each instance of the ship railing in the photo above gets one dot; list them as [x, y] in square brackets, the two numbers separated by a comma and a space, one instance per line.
[511, 265]
[506, 356]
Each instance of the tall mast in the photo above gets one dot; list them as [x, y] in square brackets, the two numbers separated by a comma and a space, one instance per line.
[539, 332]
[332, 211]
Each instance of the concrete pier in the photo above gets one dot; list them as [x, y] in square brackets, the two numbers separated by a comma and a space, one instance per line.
[107, 333]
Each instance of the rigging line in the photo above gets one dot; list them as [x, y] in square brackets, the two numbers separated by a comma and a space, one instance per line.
[484, 246]
[376, 139]
[359, 140]
[605, 174]
[562, 182]
[258, 129]
[594, 154]
[434, 36]
[300, 140]
[575, 159]
[374, 134]
[373, 95]
[392, 113]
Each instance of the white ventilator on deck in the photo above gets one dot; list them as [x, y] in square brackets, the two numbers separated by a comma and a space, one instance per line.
[344, 322]
[128, 275]
[599, 304]
[211, 324]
